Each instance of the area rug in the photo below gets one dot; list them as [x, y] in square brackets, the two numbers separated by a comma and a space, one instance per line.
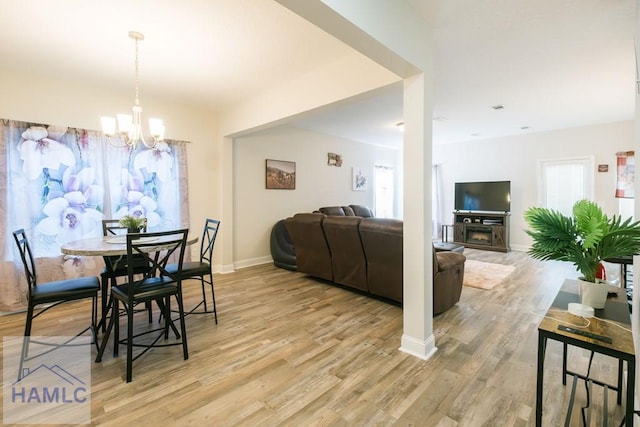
[485, 275]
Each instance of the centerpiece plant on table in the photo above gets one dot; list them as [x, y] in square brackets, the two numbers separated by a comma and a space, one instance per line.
[133, 223]
[585, 239]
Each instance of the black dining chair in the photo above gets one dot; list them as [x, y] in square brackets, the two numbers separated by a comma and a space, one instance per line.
[46, 296]
[116, 266]
[202, 269]
[156, 284]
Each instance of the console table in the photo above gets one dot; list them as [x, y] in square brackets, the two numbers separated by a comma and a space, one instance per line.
[620, 347]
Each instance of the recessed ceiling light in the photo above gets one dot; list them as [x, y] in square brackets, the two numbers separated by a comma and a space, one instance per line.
[475, 134]
[497, 107]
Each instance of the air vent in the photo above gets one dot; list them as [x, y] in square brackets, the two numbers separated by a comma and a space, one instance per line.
[497, 107]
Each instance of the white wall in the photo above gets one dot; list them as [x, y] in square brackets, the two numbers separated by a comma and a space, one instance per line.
[515, 158]
[257, 209]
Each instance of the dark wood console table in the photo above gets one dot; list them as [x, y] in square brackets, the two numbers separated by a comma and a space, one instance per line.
[620, 348]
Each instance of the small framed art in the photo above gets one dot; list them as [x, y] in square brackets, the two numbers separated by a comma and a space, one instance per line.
[280, 175]
[334, 159]
[359, 180]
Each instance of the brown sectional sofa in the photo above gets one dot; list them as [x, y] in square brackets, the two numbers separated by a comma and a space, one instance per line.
[366, 254]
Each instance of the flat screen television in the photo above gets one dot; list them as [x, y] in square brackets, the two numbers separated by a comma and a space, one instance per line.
[494, 196]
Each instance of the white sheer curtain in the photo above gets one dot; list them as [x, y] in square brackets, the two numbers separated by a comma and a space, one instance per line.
[436, 203]
[59, 183]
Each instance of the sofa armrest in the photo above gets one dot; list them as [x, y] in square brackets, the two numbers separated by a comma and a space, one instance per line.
[448, 275]
[444, 260]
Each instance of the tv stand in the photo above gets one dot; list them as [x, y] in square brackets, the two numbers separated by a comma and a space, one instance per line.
[482, 230]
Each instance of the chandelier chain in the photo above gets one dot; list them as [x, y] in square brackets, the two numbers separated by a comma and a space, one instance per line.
[137, 100]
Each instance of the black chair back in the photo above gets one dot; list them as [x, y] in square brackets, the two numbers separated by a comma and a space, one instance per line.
[27, 258]
[112, 227]
[208, 239]
[155, 249]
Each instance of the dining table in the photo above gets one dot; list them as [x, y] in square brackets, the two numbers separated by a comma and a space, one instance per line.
[105, 246]
[108, 246]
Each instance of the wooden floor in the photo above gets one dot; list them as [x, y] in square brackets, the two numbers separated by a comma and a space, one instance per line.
[290, 350]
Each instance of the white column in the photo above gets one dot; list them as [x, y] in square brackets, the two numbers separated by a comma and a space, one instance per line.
[418, 338]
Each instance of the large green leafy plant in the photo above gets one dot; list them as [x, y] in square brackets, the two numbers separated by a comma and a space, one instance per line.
[584, 239]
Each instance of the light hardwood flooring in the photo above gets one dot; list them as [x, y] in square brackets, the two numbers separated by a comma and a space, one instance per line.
[291, 350]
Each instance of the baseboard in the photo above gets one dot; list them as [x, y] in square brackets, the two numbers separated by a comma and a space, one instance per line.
[230, 268]
[253, 261]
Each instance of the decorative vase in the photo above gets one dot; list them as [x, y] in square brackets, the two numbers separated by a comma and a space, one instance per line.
[593, 294]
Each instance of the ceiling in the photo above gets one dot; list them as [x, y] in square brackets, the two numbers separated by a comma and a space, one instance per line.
[550, 63]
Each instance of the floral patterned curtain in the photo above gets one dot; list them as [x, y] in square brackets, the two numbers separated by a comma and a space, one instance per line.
[61, 182]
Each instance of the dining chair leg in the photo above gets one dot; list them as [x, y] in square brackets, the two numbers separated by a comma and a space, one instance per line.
[105, 338]
[116, 326]
[103, 301]
[149, 308]
[166, 313]
[183, 327]
[204, 295]
[129, 342]
[24, 353]
[213, 297]
[94, 320]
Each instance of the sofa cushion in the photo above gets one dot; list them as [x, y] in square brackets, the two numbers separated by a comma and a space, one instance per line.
[382, 244]
[347, 256]
[363, 211]
[332, 211]
[312, 252]
[348, 211]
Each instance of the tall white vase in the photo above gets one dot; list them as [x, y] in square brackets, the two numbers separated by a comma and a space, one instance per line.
[593, 294]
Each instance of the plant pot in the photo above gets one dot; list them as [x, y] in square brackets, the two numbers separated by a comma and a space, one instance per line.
[593, 294]
[133, 230]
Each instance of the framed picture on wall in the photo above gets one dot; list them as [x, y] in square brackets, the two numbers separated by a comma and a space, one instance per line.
[359, 180]
[280, 175]
[334, 159]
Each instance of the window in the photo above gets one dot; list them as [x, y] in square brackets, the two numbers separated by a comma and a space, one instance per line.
[61, 182]
[562, 182]
[383, 181]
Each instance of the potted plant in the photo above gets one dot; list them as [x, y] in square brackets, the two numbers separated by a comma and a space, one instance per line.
[132, 223]
[585, 239]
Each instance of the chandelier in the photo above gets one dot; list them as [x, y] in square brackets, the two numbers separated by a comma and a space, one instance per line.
[130, 126]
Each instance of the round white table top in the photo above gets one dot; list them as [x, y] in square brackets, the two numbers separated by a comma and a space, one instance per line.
[104, 246]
